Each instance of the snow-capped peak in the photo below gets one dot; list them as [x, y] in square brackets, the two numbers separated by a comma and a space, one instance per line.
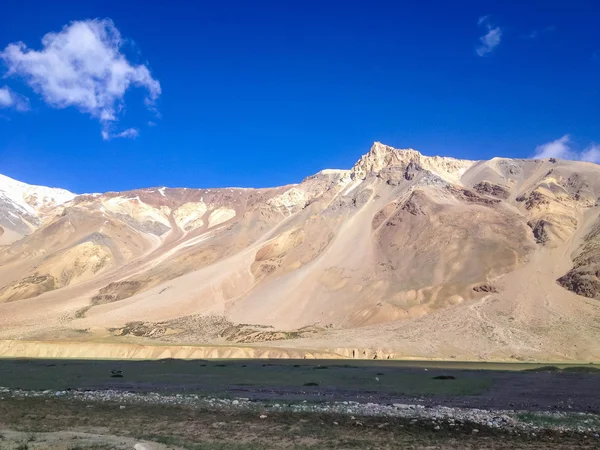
[35, 200]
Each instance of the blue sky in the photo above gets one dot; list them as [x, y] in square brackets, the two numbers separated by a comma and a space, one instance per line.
[261, 93]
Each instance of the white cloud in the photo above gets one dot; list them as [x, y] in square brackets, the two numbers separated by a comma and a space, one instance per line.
[130, 133]
[10, 99]
[5, 98]
[591, 154]
[483, 19]
[537, 33]
[562, 148]
[491, 39]
[82, 66]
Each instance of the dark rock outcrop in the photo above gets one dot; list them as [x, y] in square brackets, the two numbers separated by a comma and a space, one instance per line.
[581, 283]
[540, 230]
[488, 288]
[485, 187]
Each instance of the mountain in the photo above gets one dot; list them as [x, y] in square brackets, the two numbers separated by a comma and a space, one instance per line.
[23, 207]
[403, 255]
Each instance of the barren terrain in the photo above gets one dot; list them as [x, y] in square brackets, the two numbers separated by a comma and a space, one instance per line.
[402, 256]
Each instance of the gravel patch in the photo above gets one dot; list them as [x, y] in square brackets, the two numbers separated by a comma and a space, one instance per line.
[510, 421]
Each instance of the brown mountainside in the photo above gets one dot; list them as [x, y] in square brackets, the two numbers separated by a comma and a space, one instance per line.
[403, 255]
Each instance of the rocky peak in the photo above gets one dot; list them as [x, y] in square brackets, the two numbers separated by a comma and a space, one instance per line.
[382, 157]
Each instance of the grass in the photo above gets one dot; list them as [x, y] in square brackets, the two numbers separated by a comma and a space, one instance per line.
[571, 369]
[176, 426]
[207, 377]
[91, 447]
[176, 441]
[567, 420]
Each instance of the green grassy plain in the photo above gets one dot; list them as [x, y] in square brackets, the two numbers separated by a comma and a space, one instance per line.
[218, 376]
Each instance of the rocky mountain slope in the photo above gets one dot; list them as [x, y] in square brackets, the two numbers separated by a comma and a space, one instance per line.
[23, 207]
[403, 255]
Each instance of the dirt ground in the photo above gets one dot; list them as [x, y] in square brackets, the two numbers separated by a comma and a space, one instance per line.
[73, 425]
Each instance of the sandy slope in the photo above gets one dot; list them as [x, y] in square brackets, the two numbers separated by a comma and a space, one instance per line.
[402, 256]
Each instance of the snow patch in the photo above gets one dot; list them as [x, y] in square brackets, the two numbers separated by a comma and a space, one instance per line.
[334, 172]
[31, 198]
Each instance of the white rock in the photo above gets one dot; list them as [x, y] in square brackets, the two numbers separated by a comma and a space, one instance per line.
[142, 446]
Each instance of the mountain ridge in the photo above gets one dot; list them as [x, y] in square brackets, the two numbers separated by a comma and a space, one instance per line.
[400, 254]
[22, 206]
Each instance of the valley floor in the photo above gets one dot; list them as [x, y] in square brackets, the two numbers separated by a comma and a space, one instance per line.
[239, 404]
[67, 425]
